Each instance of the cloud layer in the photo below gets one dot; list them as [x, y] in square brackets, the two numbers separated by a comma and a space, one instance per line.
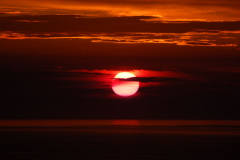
[140, 29]
[171, 9]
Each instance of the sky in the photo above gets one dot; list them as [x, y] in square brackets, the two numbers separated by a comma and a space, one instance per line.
[58, 59]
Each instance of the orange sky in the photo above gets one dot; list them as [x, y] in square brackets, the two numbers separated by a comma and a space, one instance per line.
[192, 23]
[105, 32]
[60, 56]
[167, 10]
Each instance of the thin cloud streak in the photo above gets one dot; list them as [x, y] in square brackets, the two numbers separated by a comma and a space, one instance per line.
[191, 38]
[149, 79]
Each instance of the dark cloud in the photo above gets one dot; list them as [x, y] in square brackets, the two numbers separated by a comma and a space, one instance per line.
[69, 23]
[7, 73]
[150, 79]
[196, 43]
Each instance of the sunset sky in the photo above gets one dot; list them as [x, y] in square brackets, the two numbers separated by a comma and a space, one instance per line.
[58, 58]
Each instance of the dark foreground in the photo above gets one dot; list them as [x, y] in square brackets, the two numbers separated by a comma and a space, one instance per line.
[120, 143]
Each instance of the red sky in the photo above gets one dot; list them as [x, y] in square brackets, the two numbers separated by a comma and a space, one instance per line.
[45, 44]
[129, 33]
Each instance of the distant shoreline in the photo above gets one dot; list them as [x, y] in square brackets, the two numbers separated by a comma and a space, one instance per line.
[79, 123]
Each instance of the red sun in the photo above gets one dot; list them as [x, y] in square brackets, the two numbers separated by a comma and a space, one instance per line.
[124, 88]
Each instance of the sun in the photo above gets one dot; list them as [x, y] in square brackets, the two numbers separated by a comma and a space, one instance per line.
[124, 88]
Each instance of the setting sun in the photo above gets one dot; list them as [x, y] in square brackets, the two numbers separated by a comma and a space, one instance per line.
[124, 88]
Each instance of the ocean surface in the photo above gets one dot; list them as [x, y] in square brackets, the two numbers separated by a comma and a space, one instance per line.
[119, 139]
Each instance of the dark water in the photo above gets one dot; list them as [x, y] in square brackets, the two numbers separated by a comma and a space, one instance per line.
[120, 142]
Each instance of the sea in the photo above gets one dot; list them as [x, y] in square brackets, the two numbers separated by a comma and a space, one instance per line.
[119, 139]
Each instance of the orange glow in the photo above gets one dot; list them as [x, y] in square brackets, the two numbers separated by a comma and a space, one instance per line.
[126, 122]
[213, 38]
[124, 88]
[172, 9]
